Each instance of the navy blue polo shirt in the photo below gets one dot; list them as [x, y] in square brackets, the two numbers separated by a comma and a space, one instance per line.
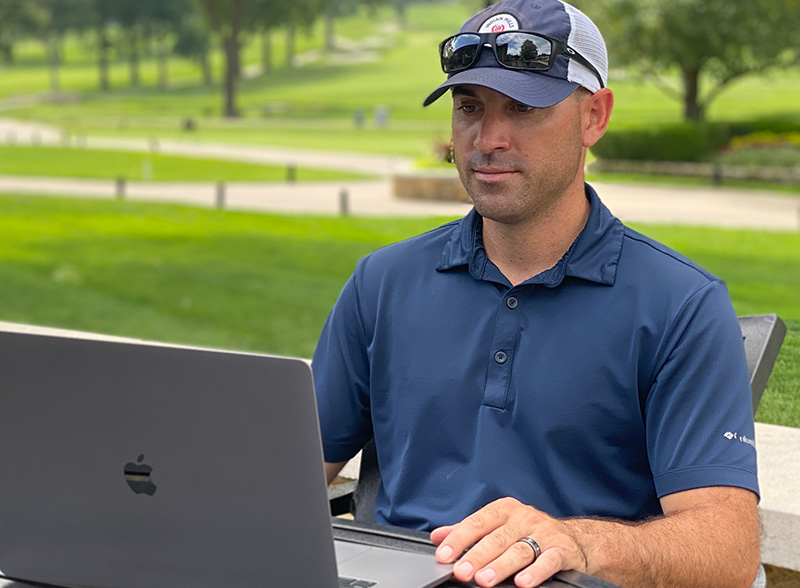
[594, 388]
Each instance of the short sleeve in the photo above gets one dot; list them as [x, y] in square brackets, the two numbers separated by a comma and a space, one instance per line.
[341, 379]
[698, 414]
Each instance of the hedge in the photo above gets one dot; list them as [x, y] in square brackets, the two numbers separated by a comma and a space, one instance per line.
[685, 141]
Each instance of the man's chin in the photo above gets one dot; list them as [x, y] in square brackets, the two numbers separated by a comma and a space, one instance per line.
[496, 209]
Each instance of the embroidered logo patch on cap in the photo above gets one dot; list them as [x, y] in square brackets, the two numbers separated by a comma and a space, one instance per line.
[499, 23]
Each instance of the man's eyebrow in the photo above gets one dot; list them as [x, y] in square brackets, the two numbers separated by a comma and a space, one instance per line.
[462, 91]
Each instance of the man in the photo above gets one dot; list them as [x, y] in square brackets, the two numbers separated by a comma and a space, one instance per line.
[546, 388]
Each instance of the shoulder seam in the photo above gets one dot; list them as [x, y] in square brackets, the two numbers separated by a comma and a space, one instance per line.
[668, 252]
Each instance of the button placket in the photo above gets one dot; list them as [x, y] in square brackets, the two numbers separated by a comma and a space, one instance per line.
[503, 342]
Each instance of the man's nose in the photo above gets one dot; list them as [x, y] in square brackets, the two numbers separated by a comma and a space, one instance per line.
[493, 133]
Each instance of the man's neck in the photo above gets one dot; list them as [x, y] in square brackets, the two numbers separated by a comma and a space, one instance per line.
[523, 250]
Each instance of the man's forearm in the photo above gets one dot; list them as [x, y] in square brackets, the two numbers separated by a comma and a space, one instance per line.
[715, 544]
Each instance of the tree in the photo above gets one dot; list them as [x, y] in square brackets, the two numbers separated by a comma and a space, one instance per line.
[102, 12]
[130, 17]
[339, 8]
[194, 42]
[229, 18]
[141, 21]
[710, 42]
[233, 20]
[17, 17]
[162, 18]
[58, 16]
[298, 14]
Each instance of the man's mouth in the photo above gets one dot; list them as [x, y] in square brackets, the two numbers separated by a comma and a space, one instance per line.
[492, 174]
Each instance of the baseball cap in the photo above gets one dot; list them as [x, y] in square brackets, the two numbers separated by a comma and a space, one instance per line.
[540, 89]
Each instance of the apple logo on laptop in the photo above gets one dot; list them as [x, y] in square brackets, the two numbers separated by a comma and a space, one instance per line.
[137, 475]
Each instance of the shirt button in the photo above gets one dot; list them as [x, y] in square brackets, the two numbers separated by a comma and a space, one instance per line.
[500, 357]
[512, 303]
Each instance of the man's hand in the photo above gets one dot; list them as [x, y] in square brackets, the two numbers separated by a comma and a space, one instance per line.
[495, 553]
[706, 537]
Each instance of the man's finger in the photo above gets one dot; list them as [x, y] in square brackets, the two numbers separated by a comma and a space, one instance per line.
[545, 566]
[440, 533]
[516, 557]
[462, 536]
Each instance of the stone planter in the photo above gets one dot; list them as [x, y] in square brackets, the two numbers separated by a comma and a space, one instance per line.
[430, 185]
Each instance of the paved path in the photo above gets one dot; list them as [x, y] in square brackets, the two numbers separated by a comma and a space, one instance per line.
[711, 206]
[642, 203]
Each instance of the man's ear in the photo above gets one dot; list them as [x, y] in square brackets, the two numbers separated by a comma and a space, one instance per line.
[596, 110]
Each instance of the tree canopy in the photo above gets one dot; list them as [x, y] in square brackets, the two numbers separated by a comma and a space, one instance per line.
[709, 42]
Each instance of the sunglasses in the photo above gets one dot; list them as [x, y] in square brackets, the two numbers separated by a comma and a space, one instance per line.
[520, 50]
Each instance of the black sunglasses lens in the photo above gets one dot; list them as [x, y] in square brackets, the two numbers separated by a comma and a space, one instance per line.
[523, 51]
[460, 52]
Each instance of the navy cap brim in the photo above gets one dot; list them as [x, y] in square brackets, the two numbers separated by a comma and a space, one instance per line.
[531, 88]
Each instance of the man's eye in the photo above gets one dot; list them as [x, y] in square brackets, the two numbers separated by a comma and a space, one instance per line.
[467, 108]
[519, 107]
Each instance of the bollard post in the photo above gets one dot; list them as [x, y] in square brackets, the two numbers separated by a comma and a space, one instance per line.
[358, 118]
[344, 202]
[291, 173]
[221, 195]
[716, 175]
[120, 188]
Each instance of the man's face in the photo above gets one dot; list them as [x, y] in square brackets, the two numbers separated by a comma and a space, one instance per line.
[515, 161]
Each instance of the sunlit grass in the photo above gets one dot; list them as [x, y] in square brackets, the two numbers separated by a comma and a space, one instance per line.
[91, 163]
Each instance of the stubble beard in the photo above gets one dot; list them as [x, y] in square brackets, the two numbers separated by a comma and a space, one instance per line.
[522, 198]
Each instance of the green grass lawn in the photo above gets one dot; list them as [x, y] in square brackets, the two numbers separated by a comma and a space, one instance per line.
[266, 283]
[91, 163]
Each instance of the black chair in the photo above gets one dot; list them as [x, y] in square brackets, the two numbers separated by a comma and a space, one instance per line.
[763, 336]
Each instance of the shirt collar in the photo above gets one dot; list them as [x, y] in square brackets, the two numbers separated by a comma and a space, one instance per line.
[593, 256]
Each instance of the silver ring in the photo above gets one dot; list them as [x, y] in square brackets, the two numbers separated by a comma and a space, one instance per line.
[537, 551]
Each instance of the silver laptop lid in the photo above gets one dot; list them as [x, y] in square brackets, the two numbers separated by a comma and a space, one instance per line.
[129, 465]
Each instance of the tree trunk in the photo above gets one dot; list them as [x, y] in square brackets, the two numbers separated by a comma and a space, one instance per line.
[231, 57]
[330, 41]
[7, 50]
[103, 45]
[163, 58]
[53, 44]
[692, 109]
[133, 55]
[266, 51]
[290, 44]
[401, 12]
[232, 68]
[205, 64]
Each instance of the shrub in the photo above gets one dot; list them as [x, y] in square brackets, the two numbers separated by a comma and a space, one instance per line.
[682, 142]
[693, 142]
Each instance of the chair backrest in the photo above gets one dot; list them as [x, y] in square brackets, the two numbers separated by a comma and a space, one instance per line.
[369, 478]
[762, 334]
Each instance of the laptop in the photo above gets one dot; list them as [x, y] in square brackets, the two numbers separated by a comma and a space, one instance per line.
[130, 464]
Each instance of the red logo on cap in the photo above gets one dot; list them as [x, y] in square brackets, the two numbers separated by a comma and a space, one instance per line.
[498, 28]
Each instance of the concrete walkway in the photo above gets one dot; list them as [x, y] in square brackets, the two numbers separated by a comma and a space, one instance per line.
[631, 202]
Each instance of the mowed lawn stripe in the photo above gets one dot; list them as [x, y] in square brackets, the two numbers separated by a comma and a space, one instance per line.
[97, 164]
